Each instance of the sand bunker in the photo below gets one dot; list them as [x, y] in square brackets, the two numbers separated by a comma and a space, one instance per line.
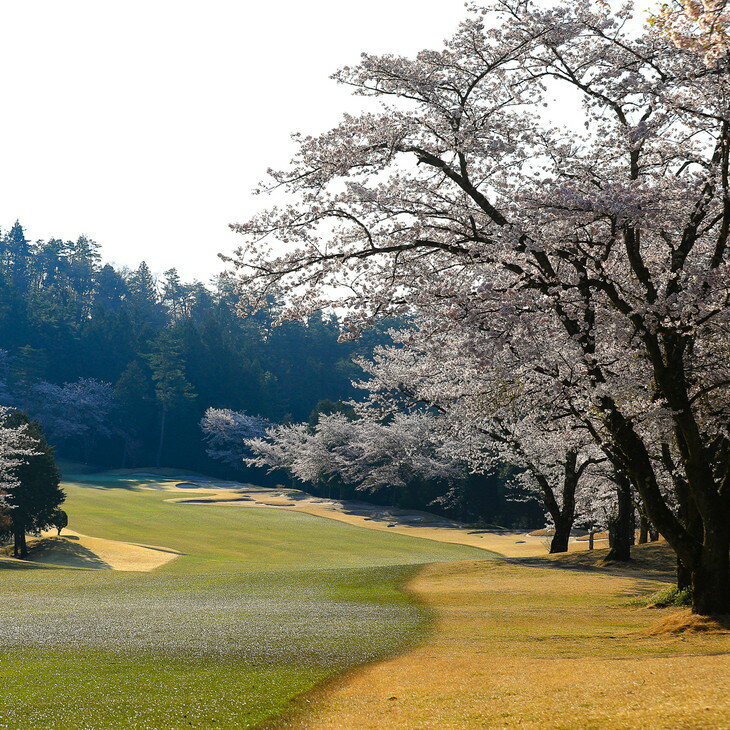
[375, 517]
[361, 514]
[72, 549]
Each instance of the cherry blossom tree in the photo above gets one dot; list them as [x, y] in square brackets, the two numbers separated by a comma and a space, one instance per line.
[496, 410]
[14, 449]
[457, 198]
[702, 26]
[395, 442]
[78, 411]
[367, 453]
[226, 433]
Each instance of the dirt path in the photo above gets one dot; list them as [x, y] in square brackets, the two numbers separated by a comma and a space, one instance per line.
[515, 646]
[75, 550]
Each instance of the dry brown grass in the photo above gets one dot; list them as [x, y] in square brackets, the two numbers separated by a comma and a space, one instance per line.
[515, 646]
[685, 622]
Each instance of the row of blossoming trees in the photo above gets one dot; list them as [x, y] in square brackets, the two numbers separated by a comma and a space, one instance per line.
[568, 283]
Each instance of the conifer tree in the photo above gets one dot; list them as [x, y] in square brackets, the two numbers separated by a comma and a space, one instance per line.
[110, 289]
[172, 388]
[16, 256]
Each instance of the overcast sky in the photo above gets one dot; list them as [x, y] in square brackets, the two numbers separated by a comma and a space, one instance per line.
[146, 124]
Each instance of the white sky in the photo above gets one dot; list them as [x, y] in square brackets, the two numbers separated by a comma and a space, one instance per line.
[146, 124]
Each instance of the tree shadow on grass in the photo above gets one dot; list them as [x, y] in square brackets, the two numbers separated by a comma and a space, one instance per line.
[642, 589]
[63, 551]
[396, 516]
[156, 549]
[628, 570]
[131, 485]
[7, 563]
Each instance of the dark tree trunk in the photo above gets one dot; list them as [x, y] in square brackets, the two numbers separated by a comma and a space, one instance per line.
[643, 530]
[591, 540]
[20, 547]
[684, 577]
[705, 554]
[561, 536]
[621, 528]
[653, 534]
[162, 437]
[564, 516]
[711, 575]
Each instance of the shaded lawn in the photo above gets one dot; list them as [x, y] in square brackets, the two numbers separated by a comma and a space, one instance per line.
[262, 605]
[652, 557]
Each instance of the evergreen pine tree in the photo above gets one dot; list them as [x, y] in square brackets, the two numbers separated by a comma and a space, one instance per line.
[172, 291]
[142, 284]
[172, 388]
[15, 254]
[134, 391]
[111, 290]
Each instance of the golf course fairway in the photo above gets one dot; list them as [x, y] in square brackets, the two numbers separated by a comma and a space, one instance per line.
[259, 606]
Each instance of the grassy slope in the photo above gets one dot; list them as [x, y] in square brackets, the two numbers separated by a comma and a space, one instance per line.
[517, 646]
[262, 605]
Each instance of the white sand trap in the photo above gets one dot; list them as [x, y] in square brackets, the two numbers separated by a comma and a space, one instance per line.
[387, 519]
[199, 487]
[75, 550]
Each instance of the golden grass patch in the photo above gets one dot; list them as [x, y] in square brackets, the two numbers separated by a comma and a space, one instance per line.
[685, 622]
[651, 557]
[533, 647]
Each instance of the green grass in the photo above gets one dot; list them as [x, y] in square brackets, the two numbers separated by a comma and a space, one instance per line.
[665, 598]
[262, 605]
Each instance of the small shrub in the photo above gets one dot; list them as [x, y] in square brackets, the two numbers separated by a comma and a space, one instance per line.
[669, 596]
[59, 520]
[672, 596]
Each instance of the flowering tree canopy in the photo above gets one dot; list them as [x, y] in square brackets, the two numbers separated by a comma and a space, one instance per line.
[701, 26]
[15, 447]
[364, 452]
[80, 409]
[226, 432]
[496, 410]
[601, 252]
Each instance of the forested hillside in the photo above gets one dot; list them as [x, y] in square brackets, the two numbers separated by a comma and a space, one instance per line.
[101, 354]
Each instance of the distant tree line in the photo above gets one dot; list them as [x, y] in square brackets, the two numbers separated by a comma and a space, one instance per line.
[395, 461]
[119, 366]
